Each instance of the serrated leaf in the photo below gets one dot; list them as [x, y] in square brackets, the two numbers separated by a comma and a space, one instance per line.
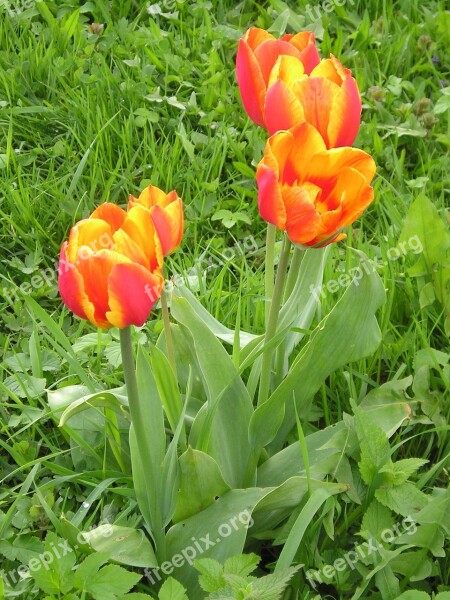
[211, 578]
[401, 470]
[55, 576]
[376, 519]
[404, 499]
[112, 581]
[88, 569]
[271, 587]
[242, 564]
[172, 590]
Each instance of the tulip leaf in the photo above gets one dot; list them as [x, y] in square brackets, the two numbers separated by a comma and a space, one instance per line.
[147, 455]
[219, 330]
[221, 427]
[167, 386]
[348, 333]
[201, 484]
[124, 545]
[217, 532]
[107, 399]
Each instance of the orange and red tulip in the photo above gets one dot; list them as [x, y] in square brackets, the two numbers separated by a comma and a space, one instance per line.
[167, 215]
[327, 98]
[257, 54]
[110, 269]
[309, 191]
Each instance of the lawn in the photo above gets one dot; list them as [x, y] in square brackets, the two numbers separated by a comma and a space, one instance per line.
[331, 483]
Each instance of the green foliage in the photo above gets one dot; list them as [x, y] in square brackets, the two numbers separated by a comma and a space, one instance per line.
[89, 115]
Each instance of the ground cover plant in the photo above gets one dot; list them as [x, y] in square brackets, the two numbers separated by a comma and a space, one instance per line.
[308, 463]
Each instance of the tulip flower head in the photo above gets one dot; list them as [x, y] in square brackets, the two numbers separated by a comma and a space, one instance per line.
[309, 191]
[110, 269]
[327, 98]
[257, 54]
[167, 214]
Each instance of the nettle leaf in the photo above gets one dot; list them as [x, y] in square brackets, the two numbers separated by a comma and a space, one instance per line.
[272, 587]
[375, 449]
[211, 578]
[111, 581]
[376, 519]
[242, 564]
[398, 472]
[404, 499]
[171, 590]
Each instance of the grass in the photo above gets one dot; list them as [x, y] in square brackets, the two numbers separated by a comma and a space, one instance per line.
[86, 118]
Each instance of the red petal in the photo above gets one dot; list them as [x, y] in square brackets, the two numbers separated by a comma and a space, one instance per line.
[268, 52]
[282, 109]
[346, 116]
[111, 213]
[302, 220]
[251, 83]
[71, 287]
[133, 291]
[270, 201]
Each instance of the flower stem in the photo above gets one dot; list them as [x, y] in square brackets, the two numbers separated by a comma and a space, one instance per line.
[271, 328]
[168, 333]
[269, 272]
[294, 268]
[140, 430]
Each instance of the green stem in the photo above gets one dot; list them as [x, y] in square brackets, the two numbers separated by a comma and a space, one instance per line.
[270, 270]
[143, 443]
[271, 328]
[168, 333]
[294, 268]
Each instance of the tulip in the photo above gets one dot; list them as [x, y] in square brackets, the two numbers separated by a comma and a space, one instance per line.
[258, 52]
[110, 269]
[327, 98]
[167, 214]
[309, 191]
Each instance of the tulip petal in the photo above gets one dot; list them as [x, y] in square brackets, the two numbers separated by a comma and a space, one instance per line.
[306, 143]
[251, 83]
[317, 94]
[140, 227]
[93, 233]
[255, 37]
[353, 193]
[323, 168]
[346, 117]
[125, 245]
[111, 213]
[282, 109]
[306, 43]
[169, 225]
[71, 287]
[270, 201]
[133, 291]
[302, 218]
[288, 69]
[268, 52]
[95, 270]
